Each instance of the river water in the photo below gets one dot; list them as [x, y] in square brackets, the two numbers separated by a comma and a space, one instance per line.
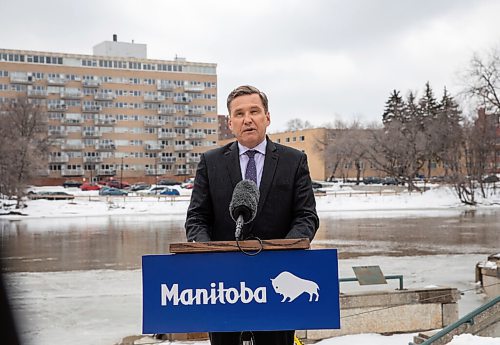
[87, 243]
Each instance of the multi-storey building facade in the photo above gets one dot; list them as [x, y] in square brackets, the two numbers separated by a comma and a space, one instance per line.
[224, 131]
[122, 116]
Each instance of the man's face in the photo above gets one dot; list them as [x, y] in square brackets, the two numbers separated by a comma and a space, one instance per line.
[248, 120]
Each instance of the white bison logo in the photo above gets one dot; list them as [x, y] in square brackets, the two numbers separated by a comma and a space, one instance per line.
[291, 287]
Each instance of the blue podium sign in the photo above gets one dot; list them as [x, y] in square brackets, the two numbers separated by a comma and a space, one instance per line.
[223, 292]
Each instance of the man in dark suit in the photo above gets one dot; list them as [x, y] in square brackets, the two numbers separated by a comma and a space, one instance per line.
[286, 208]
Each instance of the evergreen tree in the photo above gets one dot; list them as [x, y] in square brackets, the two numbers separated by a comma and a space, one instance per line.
[394, 108]
[428, 104]
[411, 110]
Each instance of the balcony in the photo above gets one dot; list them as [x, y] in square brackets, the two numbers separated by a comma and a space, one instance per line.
[91, 83]
[104, 96]
[195, 111]
[56, 107]
[193, 159]
[72, 121]
[186, 147]
[21, 78]
[167, 111]
[72, 172]
[165, 86]
[57, 133]
[56, 81]
[105, 147]
[105, 122]
[183, 123]
[182, 99]
[92, 159]
[195, 135]
[37, 93]
[59, 159]
[184, 171]
[194, 88]
[168, 159]
[106, 172]
[91, 108]
[154, 98]
[91, 134]
[154, 123]
[74, 94]
[167, 135]
[72, 147]
[153, 147]
[155, 172]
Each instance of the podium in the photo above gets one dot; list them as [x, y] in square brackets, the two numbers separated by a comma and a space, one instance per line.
[214, 287]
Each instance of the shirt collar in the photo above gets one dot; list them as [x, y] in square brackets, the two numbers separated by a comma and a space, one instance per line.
[261, 148]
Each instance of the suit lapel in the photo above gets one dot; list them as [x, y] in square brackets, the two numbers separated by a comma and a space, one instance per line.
[232, 161]
[270, 164]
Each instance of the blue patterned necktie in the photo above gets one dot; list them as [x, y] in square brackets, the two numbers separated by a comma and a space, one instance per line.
[251, 172]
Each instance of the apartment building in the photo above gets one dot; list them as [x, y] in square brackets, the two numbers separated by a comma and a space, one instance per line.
[224, 131]
[117, 114]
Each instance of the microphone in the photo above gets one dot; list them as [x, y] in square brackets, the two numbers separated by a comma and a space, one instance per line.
[243, 205]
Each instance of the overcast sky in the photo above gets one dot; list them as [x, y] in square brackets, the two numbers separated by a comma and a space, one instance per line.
[318, 60]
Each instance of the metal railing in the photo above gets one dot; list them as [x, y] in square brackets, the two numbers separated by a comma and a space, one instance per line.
[469, 318]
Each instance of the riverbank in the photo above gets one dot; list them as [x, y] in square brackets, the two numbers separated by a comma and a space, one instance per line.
[100, 307]
[343, 202]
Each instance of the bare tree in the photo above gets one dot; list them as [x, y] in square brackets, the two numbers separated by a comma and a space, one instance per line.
[334, 155]
[23, 145]
[482, 89]
[345, 148]
[399, 148]
[482, 81]
[297, 124]
[444, 134]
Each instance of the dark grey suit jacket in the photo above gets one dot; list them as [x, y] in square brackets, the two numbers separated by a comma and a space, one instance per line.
[287, 208]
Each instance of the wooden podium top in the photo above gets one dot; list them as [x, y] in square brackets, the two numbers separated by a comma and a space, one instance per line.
[231, 246]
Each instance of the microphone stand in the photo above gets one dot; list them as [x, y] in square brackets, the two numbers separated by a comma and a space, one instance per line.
[239, 226]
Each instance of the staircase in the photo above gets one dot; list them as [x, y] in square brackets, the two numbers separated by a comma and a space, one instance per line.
[483, 321]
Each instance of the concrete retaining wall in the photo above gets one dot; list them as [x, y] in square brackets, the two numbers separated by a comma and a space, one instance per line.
[375, 312]
[393, 312]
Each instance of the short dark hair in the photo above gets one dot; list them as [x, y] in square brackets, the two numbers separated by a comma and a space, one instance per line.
[247, 90]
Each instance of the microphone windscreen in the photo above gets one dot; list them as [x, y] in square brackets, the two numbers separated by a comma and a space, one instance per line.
[245, 201]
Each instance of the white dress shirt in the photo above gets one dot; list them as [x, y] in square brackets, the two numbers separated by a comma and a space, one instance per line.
[259, 157]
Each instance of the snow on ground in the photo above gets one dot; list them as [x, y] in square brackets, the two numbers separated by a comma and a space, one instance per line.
[100, 307]
[341, 202]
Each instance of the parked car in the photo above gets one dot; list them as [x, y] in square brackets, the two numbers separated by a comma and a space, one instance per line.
[117, 184]
[153, 190]
[390, 181]
[188, 183]
[170, 191]
[50, 196]
[491, 179]
[71, 183]
[90, 186]
[372, 180]
[166, 182]
[316, 185]
[139, 186]
[112, 191]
